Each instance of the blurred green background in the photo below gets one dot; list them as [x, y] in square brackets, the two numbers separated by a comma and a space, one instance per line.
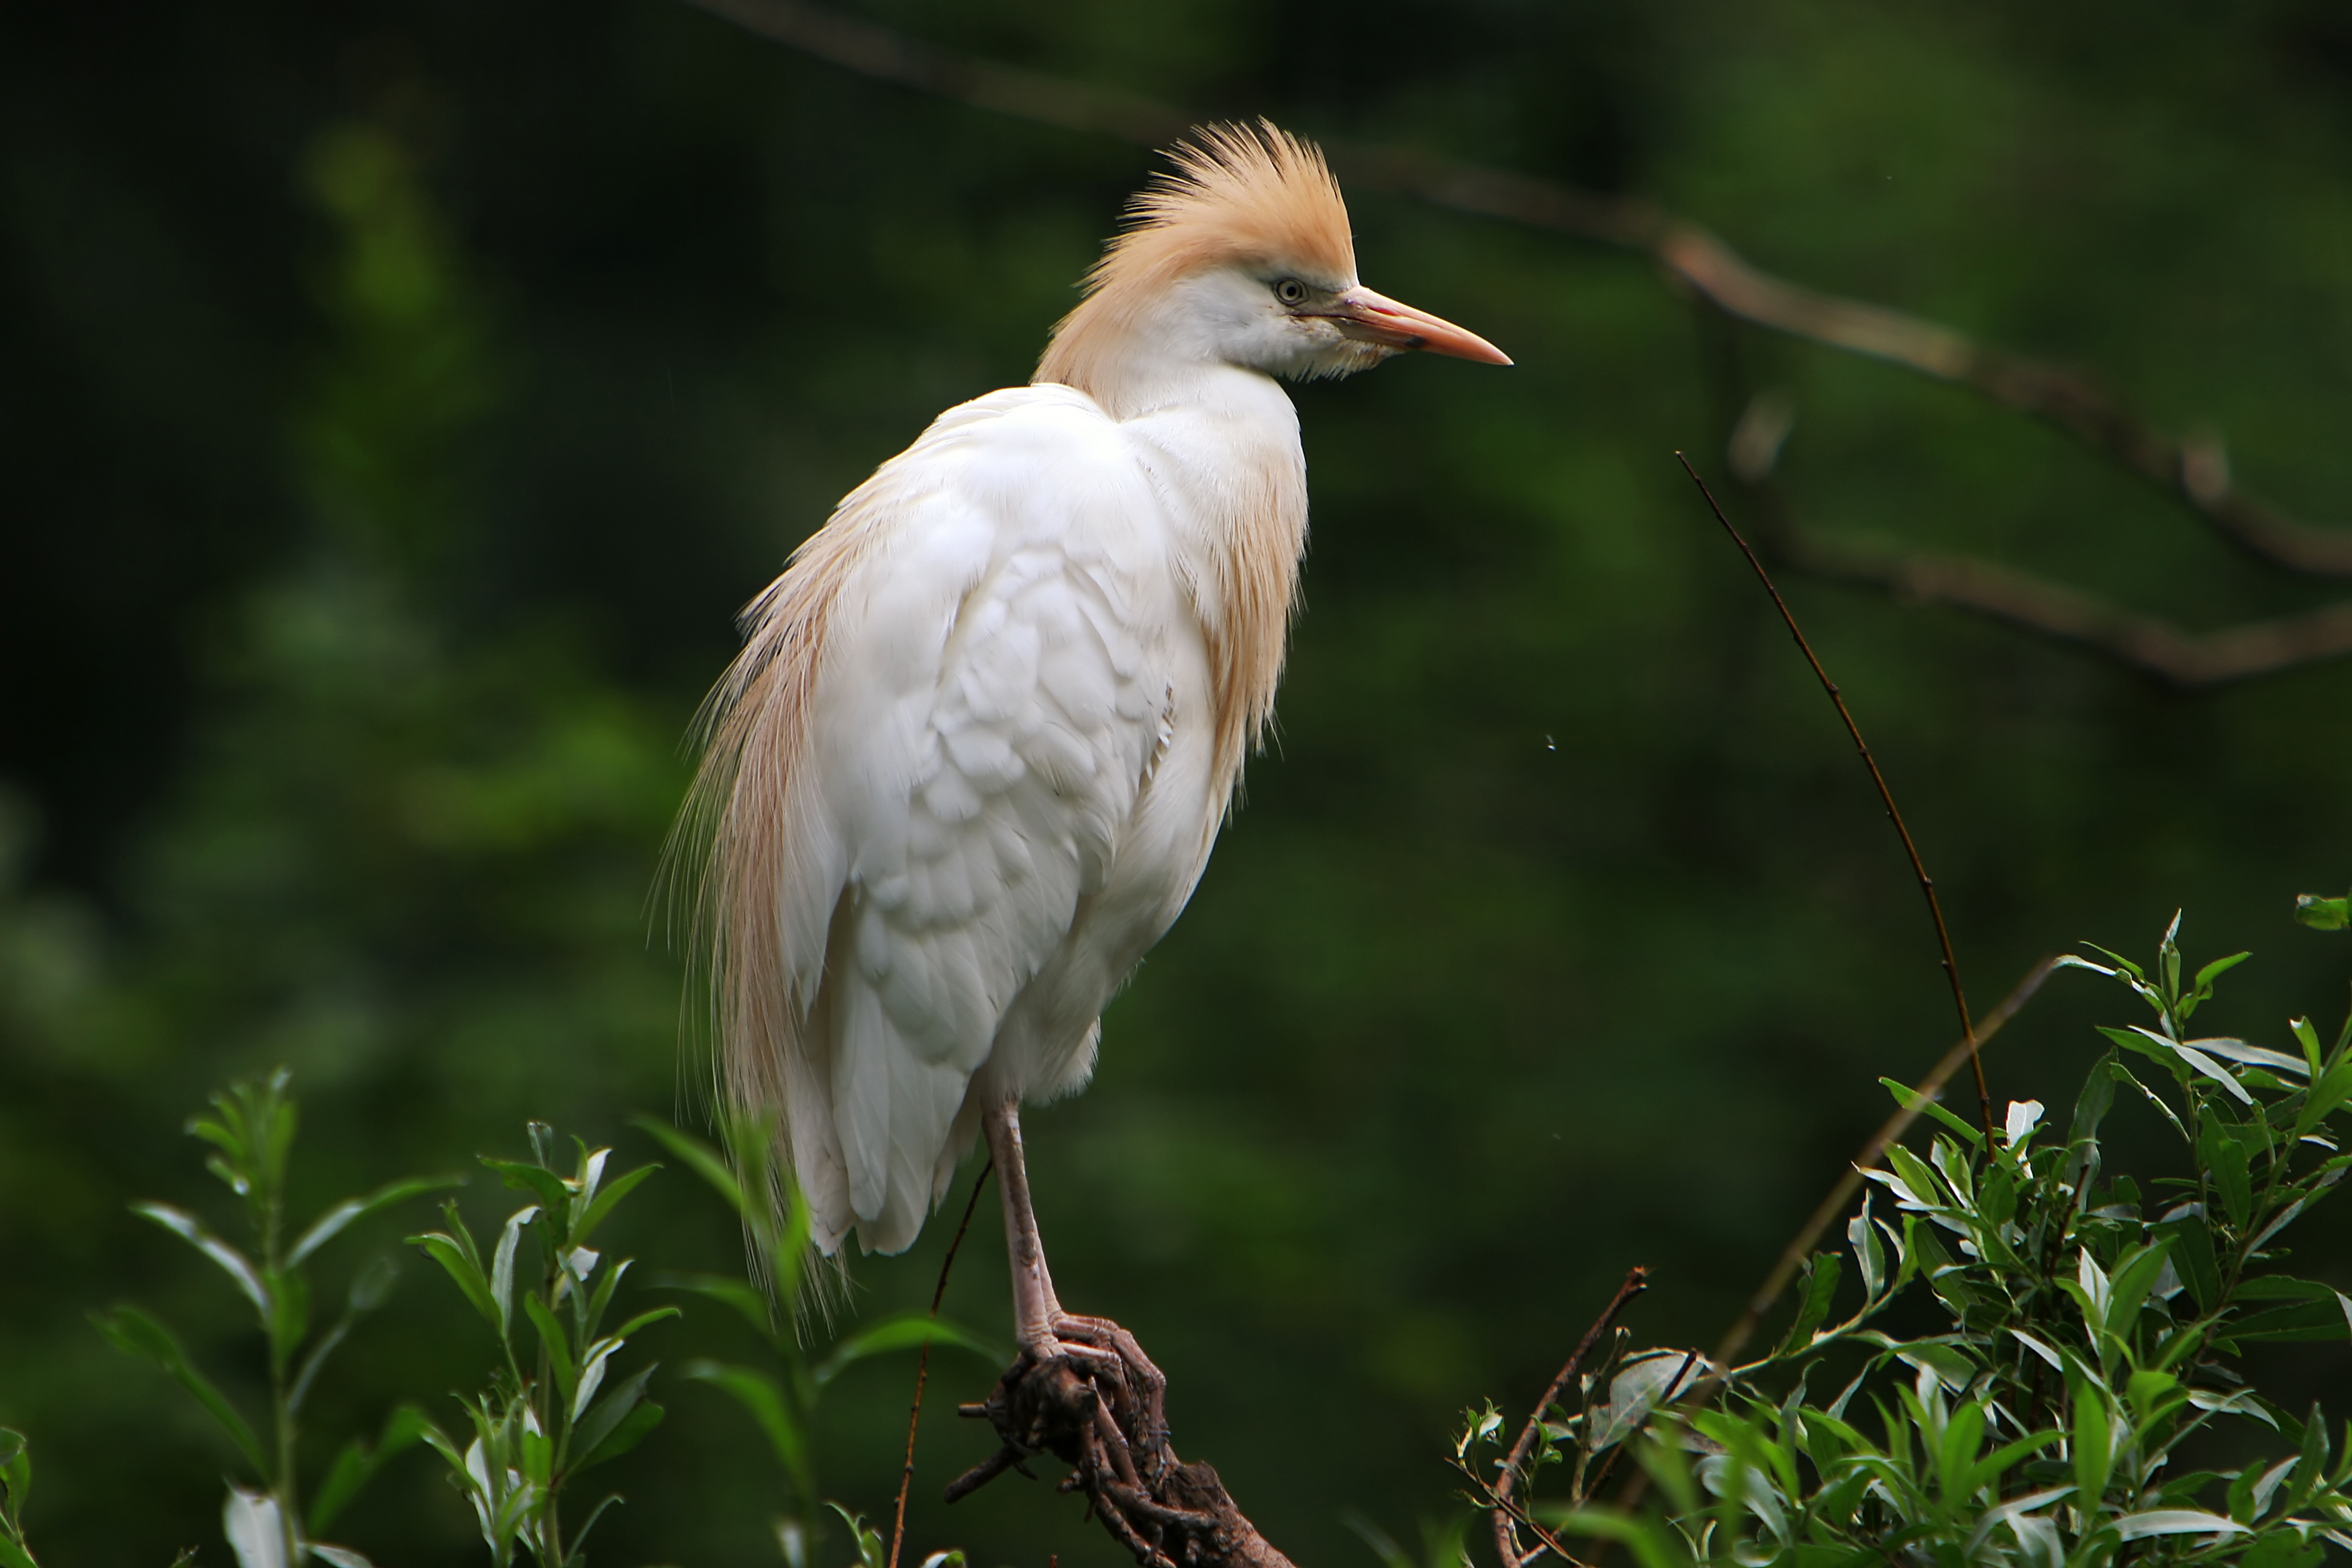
[398, 401]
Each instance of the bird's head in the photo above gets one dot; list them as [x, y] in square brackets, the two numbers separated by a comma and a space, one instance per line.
[1240, 256]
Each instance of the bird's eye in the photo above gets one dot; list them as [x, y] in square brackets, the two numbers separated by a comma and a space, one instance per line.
[1290, 290]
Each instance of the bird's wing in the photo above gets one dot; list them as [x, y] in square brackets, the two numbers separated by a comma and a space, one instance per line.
[989, 689]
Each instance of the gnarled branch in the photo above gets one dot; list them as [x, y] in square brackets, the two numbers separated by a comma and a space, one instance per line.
[1099, 1405]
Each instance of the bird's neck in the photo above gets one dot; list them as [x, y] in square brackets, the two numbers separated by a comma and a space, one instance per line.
[1221, 446]
[1221, 443]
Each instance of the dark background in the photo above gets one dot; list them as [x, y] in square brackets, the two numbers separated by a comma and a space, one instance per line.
[398, 401]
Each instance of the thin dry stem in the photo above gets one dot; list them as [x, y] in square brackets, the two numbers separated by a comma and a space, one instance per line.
[1637, 1279]
[1885, 796]
[923, 1363]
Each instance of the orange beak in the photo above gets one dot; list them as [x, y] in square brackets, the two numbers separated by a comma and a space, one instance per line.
[1376, 319]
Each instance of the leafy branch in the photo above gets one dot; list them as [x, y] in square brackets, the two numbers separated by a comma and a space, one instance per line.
[2069, 1340]
[548, 1414]
[251, 1129]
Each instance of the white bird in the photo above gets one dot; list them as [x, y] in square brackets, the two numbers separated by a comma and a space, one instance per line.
[984, 730]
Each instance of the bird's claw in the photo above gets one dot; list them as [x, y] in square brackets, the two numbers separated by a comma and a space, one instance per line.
[1085, 1392]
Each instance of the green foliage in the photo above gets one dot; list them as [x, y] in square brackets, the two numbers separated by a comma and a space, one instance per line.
[16, 1485]
[782, 1402]
[557, 1402]
[2071, 1360]
[398, 427]
[537, 1430]
[251, 1130]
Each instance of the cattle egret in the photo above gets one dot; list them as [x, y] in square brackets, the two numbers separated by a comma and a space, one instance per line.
[972, 760]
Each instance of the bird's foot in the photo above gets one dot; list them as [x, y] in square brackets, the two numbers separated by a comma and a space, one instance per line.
[1087, 1395]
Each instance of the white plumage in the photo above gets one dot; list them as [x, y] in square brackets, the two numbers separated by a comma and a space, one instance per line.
[974, 757]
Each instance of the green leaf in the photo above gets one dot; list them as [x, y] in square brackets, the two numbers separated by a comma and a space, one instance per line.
[1917, 1179]
[2210, 1068]
[235, 1264]
[2093, 1444]
[869, 1541]
[2175, 1522]
[2328, 1095]
[642, 1319]
[605, 1432]
[135, 1333]
[1997, 1197]
[1955, 1456]
[464, 1266]
[2091, 1107]
[2321, 912]
[2152, 1395]
[745, 1299]
[698, 1157]
[2251, 1055]
[2124, 1075]
[554, 1195]
[2304, 1321]
[760, 1396]
[2156, 1048]
[580, 1536]
[559, 1346]
[2215, 969]
[1998, 1463]
[2225, 1159]
[1911, 1099]
[904, 1331]
[2308, 1039]
[1651, 1545]
[2135, 1276]
[358, 1464]
[607, 1201]
[1863, 1237]
[15, 1475]
[502, 1263]
[2193, 1257]
[289, 1316]
[1819, 1292]
[351, 1211]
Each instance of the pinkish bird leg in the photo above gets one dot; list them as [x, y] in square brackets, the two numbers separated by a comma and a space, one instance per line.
[1045, 1330]
[1035, 1306]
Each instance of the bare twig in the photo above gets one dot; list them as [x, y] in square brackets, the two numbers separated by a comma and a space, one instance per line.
[1885, 796]
[1504, 1509]
[1637, 1279]
[2195, 472]
[923, 1362]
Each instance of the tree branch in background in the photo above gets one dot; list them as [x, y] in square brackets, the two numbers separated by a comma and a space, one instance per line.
[2194, 471]
[2189, 661]
[2193, 661]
